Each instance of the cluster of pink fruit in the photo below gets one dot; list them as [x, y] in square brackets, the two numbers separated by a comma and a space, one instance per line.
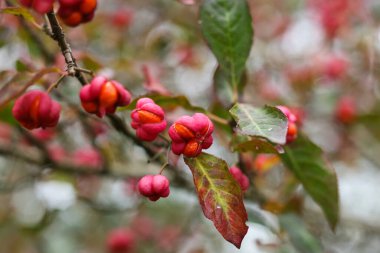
[35, 109]
[72, 12]
[189, 134]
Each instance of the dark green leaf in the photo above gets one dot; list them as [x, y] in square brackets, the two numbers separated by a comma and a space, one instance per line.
[306, 161]
[267, 122]
[302, 239]
[7, 116]
[222, 88]
[227, 28]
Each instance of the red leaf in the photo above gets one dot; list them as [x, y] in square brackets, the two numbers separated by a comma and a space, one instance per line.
[220, 196]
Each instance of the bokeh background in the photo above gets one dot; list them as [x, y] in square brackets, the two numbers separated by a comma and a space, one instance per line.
[321, 58]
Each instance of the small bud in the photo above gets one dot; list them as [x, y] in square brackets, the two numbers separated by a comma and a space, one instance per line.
[191, 134]
[101, 96]
[148, 119]
[36, 109]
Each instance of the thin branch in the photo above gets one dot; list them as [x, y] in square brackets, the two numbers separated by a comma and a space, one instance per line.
[55, 85]
[32, 157]
[31, 82]
[59, 36]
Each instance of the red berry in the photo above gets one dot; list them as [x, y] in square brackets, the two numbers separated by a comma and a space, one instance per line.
[40, 6]
[69, 2]
[75, 12]
[121, 18]
[36, 109]
[73, 19]
[87, 157]
[101, 96]
[335, 66]
[240, 178]
[120, 241]
[87, 6]
[191, 134]
[346, 110]
[148, 119]
[154, 187]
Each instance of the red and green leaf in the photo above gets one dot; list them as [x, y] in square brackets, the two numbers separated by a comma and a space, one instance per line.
[220, 196]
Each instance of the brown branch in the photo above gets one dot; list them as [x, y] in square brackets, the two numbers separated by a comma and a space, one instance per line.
[30, 156]
[31, 82]
[72, 69]
[59, 36]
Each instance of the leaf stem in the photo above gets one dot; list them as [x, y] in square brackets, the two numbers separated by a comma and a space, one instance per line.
[164, 138]
[55, 85]
[163, 167]
[217, 119]
[86, 71]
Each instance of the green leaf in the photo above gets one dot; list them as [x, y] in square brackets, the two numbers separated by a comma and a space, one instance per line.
[267, 122]
[222, 88]
[243, 143]
[21, 66]
[220, 196]
[302, 239]
[306, 161]
[6, 115]
[18, 11]
[227, 27]
[168, 102]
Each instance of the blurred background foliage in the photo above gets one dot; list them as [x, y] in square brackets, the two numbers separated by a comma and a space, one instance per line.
[318, 57]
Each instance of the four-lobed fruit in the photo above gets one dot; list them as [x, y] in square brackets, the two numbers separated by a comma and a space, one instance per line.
[292, 133]
[120, 240]
[102, 96]
[154, 187]
[148, 119]
[191, 134]
[36, 109]
[40, 6]
[240, 178]
[75, 12]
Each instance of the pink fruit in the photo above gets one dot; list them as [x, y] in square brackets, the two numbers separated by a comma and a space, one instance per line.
[191, 134]
[154, 187]
[40, 6]
[101, 96]
[148, 119]
[36, 109]
[240, 178]
[120, 241]
[87, 157]
[292, 132]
